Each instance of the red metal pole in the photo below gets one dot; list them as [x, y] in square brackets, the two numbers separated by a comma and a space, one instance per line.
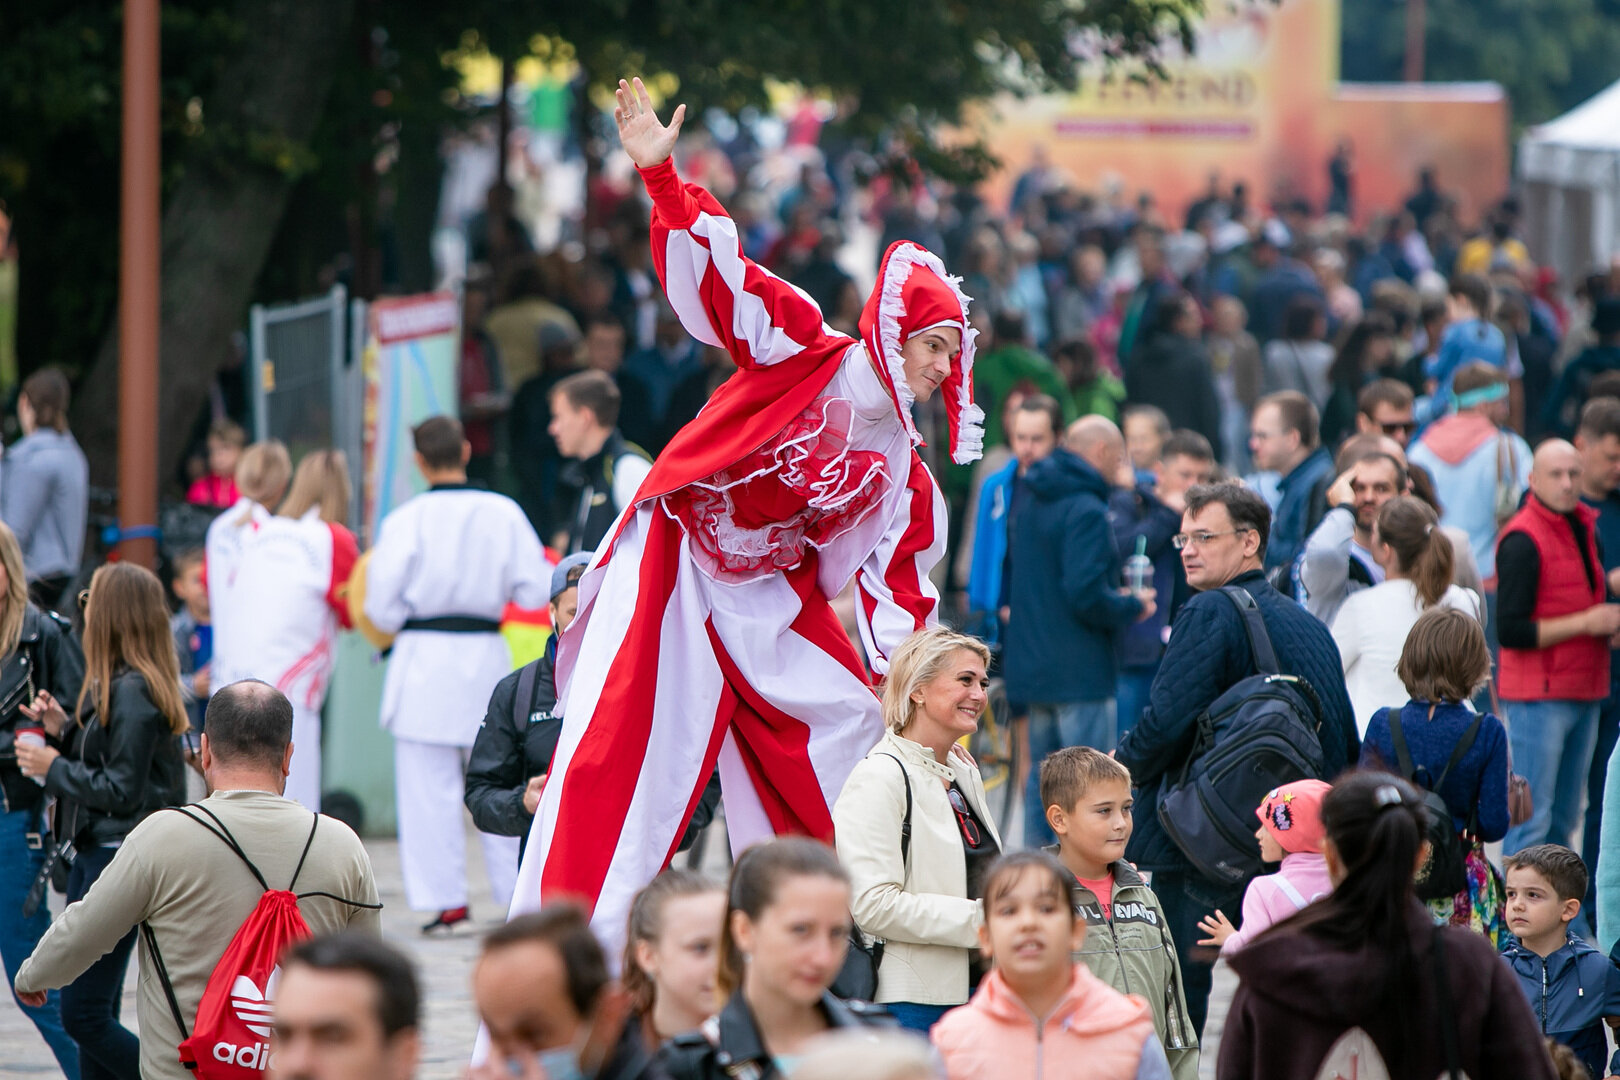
[139, 268]
[1416, 17]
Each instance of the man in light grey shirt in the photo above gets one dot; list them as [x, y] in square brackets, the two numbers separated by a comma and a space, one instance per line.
[194, 891]
[45, 488]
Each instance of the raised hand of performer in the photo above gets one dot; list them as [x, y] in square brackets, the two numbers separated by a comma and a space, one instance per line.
[647, 141]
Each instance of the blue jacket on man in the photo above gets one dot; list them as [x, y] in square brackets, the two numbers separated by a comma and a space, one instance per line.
[1291, 522]
[984, 586]
[1208, 654]
[1066, 608]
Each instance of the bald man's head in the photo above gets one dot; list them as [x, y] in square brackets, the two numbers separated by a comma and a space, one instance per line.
[1555, 476]
[1099, 443]
[249, 723]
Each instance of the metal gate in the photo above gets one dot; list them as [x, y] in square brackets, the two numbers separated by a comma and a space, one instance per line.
[302, 392]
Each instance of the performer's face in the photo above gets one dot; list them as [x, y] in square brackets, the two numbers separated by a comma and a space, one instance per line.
[926, 358]
[797, 943]
[952, 701]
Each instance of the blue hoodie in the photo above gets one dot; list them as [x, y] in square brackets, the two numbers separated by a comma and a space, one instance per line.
[1067, 612]
[1571, 990]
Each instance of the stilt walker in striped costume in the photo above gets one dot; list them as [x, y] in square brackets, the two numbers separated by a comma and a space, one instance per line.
[704, 632]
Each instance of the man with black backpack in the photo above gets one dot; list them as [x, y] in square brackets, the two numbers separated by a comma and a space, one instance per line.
[199, 898]
[1211, 723]
[511, 755]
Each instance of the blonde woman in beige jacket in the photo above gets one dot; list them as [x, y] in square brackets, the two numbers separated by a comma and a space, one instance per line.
[924, 905]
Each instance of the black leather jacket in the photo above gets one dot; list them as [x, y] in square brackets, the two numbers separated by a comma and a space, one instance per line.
[729, 1045]
[517, 740]
[47, 657]
[113, 775]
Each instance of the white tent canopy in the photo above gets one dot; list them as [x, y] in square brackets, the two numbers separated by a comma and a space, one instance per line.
[1570, 169]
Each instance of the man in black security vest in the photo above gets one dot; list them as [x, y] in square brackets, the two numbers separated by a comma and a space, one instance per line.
[604, 468]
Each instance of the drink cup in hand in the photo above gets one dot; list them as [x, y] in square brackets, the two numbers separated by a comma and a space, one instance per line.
[32, 736]
[1138, 574]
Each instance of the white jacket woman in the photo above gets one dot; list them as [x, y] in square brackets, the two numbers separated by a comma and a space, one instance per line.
[924, 906]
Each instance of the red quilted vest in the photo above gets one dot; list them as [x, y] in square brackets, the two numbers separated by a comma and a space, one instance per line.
[1573, 670]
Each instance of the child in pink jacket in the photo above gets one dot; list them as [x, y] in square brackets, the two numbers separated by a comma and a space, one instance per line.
[1290, 832]
[1038, 1015]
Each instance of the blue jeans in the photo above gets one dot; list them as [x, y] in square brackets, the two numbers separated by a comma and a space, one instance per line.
[1552, 745]
[1053, 727]
[90, 1004]
[1132, 693]
[19, 865]
[918, 1018]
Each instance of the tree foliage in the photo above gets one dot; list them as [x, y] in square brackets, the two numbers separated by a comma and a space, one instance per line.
[1550, 55]
[909, 63]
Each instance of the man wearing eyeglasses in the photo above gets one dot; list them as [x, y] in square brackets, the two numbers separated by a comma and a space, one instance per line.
[1222, 541]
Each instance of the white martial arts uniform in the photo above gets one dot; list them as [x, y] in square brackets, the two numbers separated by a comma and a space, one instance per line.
[451, 551]
[222, 553]
[283, 600]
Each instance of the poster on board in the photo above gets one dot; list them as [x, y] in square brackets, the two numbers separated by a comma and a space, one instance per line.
[410, 368]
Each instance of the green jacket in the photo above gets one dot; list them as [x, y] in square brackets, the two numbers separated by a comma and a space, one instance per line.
[1133, 953]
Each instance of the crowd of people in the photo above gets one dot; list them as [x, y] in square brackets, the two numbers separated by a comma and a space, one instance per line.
[1292, 551]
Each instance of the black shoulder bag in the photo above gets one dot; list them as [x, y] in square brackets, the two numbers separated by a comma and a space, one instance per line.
[857, 979]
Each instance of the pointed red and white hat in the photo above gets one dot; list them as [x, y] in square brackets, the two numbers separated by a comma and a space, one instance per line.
[915, 294]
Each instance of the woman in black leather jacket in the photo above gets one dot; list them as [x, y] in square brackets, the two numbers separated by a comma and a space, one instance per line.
[787, 928]
[37, 652]
[111, 768]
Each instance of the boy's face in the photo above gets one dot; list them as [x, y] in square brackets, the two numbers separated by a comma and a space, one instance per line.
[1099, 824]
[1533, 907]
[564, 608]
[190, 591]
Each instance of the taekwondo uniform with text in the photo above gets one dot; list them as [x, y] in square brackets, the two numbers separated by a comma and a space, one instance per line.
[704, 631]
[283, 602]
[443, 568]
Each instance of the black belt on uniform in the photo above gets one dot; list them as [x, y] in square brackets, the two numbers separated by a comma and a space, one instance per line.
[454, 624]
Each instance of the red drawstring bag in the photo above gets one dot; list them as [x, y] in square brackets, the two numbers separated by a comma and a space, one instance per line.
[231, 1038]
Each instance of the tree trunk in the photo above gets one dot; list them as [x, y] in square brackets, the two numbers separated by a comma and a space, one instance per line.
[222, 217]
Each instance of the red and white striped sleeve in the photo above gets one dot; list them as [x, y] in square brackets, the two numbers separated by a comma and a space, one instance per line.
[722, 296]
[894, 595]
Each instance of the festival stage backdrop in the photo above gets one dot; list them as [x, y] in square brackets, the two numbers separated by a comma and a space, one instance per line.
[410, 366]
[1259, 101]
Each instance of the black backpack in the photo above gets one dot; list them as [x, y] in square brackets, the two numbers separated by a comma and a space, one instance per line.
[1260, 734]
[1445, 874]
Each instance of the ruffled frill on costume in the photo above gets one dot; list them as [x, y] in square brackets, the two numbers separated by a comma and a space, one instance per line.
[803, 488]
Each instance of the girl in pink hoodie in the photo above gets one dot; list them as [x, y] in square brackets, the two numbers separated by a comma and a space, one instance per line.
[1037, 1015]
[1290, 832]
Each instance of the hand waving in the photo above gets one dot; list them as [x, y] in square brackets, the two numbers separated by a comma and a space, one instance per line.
[646, 140]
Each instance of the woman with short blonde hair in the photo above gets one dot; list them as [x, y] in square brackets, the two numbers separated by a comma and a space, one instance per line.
[322, 481]
[913, 829]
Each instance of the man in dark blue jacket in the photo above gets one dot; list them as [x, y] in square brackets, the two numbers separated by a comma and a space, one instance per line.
[1067, 606]
[1223, 542]
[1283, 437]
